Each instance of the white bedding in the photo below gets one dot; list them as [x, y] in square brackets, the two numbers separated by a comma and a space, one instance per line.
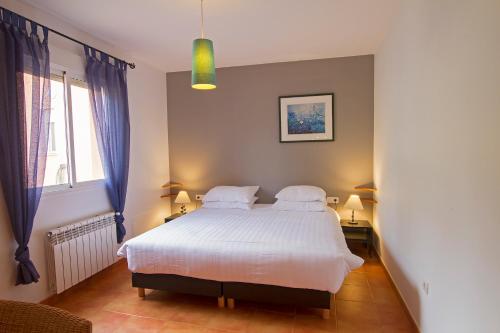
[261, 245]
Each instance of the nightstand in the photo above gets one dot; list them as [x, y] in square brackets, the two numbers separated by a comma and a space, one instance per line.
[172, 217]
[362, 232]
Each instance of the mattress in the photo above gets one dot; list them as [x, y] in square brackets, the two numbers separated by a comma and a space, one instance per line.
[262, 245]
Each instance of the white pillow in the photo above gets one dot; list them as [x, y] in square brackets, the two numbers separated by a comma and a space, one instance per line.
[302, 193]
[231, 194]
[300, 206]
[230, 204]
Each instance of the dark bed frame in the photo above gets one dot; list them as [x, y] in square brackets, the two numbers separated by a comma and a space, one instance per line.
[233, 290]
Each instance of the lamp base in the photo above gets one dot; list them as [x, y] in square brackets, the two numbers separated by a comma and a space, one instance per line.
[353, 221]
[183, 209]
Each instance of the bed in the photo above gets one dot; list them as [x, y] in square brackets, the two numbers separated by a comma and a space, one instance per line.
[260, 254]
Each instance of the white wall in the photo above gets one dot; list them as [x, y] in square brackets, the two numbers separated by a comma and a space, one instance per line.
[149, 165]
[437, 161]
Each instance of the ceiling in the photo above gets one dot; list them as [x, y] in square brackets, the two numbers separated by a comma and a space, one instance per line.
[244, 32]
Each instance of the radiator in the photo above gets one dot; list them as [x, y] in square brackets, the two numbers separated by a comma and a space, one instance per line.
[77, 251]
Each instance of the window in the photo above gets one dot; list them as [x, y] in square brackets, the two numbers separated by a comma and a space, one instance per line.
[87, 159]
[56, 168]
[73, 155]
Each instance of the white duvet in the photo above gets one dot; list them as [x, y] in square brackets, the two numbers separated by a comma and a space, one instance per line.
[261, 245]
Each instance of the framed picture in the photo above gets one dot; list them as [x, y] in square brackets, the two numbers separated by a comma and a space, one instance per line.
[306, 118]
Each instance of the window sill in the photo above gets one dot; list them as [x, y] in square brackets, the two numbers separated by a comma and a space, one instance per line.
[56, 190]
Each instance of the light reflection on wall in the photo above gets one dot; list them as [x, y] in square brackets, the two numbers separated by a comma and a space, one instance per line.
[231, 136]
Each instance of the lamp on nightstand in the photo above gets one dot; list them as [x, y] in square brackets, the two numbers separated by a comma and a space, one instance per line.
[354, 203]
[183, 199]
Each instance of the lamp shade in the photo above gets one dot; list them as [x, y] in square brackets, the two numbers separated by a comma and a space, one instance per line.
[354, 203]
[182, 198]
[203, 69]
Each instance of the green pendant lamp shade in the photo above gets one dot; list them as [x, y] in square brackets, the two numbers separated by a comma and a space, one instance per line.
[203, 70]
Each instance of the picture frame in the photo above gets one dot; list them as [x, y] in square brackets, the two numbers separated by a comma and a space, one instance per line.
[306, 118]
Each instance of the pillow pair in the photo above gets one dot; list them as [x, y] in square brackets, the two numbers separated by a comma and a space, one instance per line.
[240, 197]
[304, 198]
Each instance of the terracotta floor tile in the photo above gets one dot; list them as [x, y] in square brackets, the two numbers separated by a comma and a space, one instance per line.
[142, 325]
[158, 308]
[82, 304]
[180, 327]
[357, 327]
[360, 313]
[198, 314]
[373, 267]
[314, 321]
[97, 298]
[357, 279]
[396, 329]
[132, 307]
[354, 293]
[87, 313]
[270, 322]
[231, 320]
[394, 316]
[385, 296]
[378, 279]
[375, 270]
[300, 329]
[108, 322]
[214, 330]
[367, 302]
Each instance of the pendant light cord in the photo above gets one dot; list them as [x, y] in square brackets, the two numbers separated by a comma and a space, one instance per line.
[202, 21]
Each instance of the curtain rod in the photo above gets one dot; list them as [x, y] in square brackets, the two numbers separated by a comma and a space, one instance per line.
[130, 64]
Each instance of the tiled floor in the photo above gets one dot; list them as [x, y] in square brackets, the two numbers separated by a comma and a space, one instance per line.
[366, 303]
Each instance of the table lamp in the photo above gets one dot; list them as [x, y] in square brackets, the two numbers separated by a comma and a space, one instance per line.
[354, 203]
[183, 199]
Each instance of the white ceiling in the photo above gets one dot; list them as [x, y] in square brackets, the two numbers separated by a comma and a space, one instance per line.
[160, 32]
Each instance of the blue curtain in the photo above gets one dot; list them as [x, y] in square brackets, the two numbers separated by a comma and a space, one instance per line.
[24, 128]
[108, 96]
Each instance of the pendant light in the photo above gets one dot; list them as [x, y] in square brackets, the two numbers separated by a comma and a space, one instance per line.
[203, 69]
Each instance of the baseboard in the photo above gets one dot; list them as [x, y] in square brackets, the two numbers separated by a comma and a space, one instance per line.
[401, 299]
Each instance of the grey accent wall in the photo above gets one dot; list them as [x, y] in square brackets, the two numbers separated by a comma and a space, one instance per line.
[230, 135]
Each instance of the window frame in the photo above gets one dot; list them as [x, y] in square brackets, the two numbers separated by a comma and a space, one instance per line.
[68, 77]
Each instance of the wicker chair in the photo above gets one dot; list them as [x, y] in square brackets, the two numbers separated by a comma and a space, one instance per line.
[20, 317]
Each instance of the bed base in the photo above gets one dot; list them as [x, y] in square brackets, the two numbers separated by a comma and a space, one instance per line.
[277, 295]
[178, 284]
[233, 291]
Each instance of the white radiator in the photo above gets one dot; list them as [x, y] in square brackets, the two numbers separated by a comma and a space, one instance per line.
[78, 251]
